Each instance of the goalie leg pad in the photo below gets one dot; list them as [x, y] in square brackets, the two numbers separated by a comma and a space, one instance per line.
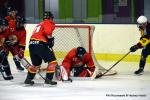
[61, 74]
[58, 73]
[64, 74]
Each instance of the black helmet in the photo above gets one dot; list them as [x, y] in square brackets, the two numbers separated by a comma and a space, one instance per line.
[10, 9]
[80, 52]
[48, 15]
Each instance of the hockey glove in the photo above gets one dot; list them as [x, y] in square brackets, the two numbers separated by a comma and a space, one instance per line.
[50, 42]
[133, 48]
[9, 43]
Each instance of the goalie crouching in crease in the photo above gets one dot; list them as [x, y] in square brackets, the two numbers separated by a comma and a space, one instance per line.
[77, 61]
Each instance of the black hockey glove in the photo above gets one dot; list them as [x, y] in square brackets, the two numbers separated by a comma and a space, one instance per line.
[133, 48]
[9, 43]
[50, 42]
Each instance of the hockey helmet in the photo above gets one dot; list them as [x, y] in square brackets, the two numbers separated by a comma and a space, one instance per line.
[11, 11]
[48, 15]
[80, 52]
[141, 20]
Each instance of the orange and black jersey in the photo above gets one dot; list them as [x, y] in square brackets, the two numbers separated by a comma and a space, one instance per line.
[43, 31]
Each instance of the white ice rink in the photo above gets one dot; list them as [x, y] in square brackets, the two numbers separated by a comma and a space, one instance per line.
[123, 86]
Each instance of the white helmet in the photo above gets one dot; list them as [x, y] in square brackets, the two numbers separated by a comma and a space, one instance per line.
[142, 19]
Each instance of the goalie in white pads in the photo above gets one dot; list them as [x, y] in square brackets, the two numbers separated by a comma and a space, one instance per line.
[77, 61]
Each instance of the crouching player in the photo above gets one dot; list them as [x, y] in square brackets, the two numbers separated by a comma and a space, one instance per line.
[77, 61]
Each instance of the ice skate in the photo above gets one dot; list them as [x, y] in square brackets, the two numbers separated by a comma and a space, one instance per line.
[28, 82]
[139, 72]
[10, 77]
[20, 68]
[50, 83]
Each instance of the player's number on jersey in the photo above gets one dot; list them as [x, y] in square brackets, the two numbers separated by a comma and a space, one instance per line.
[37, 29]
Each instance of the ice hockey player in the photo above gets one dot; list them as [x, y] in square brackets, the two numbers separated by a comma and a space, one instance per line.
[4, 64]
[16, 42]
[79, 62]
[40, 47]
[144, 42]
[18, 35]
[11, 18]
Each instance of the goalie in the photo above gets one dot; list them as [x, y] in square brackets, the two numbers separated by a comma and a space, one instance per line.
[79, 62]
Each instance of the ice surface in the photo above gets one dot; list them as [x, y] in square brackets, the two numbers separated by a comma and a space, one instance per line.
[123, 86]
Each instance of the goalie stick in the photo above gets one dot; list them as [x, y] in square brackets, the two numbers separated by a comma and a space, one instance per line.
[113, 65]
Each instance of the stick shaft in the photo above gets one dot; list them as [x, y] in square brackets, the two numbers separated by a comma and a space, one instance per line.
[115, 64]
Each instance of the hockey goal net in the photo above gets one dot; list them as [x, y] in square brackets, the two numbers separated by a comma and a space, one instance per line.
[71, 36]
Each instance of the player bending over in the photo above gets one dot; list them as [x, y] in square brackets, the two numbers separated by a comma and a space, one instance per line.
[144, 42]
[78, 62]
[40, 47]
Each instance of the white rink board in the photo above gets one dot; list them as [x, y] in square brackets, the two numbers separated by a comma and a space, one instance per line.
[108, 38]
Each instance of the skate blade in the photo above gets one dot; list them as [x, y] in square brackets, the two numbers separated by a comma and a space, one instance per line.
[49, 85]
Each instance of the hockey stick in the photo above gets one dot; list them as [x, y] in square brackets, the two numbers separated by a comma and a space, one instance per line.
[38, 71]
[113, 65]
[41, 74]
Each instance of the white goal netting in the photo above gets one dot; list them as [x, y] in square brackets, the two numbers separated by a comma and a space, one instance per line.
[71, 36]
